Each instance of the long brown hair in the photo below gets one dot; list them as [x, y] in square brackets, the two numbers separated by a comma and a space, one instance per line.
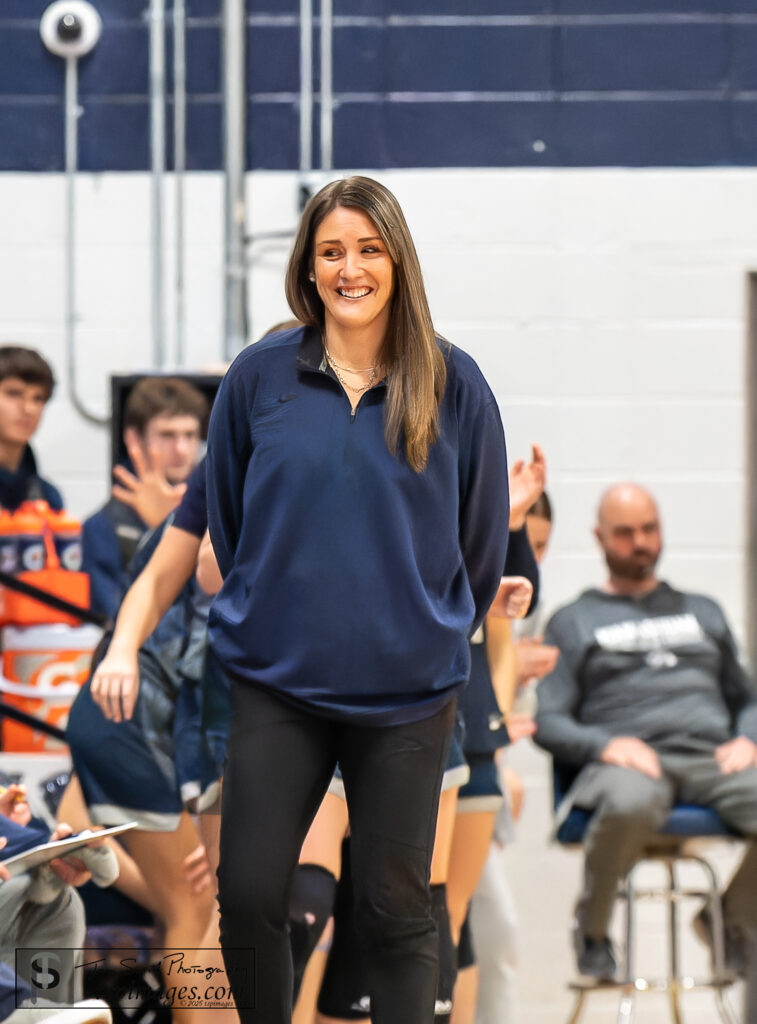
[409, 349]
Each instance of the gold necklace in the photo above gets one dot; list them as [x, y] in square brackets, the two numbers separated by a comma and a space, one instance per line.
[346, 369]
[350, 387]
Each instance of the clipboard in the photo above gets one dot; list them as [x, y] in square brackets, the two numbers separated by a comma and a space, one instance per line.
[45, 852]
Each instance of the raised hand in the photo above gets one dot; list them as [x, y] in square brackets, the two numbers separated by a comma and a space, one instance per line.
[148, 492]
[527, 481]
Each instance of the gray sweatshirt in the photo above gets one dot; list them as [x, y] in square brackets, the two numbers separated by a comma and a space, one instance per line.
[662, 667]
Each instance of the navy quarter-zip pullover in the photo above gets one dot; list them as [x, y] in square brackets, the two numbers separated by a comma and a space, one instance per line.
[351, 582]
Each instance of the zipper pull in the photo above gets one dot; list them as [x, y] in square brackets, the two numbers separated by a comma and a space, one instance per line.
[352, 415]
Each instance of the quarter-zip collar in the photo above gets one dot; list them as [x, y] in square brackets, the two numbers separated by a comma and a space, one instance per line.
[311, 357]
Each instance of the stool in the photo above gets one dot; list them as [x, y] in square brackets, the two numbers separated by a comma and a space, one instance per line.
[668, 847]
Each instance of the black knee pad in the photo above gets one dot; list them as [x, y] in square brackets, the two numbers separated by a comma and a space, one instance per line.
[310, 908]
[466, 955]
[447, 952]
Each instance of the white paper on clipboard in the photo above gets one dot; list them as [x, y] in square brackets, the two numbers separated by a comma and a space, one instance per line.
[45, 852]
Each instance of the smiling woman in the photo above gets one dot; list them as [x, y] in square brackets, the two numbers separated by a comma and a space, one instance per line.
[354, 274]
[358, 509]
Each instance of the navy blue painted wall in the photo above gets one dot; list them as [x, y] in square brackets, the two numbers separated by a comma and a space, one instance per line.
[418, 83]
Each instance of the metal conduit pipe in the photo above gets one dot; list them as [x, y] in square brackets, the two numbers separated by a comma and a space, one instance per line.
[306, 87]
[235, 212]
[750, 385]
[70, 29]
[73, 111]
[179, 167]
[157, 18]
[327, 85]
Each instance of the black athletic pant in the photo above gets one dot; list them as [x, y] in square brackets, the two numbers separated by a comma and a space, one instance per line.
[280, 761]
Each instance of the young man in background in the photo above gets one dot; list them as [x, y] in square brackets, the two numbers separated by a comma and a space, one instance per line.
[26, 384]
[164, 419]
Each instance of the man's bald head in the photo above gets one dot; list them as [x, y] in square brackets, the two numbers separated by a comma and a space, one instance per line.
[628, 531]
[621, 499]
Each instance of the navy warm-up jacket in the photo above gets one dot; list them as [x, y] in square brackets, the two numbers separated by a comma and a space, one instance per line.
[351, 582]
[25, 484]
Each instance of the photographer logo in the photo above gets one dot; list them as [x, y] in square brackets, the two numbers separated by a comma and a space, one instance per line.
[43, 974]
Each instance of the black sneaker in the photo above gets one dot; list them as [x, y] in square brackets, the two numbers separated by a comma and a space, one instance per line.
[595, 957]
[738, 946]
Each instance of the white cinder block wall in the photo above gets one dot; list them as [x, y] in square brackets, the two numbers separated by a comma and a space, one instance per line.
[606, 307]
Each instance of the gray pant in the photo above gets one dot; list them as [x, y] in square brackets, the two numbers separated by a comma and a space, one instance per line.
[494, 925]
[628, 806]
[59, 925]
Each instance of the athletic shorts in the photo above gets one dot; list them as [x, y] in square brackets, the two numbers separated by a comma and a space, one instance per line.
[482, 791]
[147, 769]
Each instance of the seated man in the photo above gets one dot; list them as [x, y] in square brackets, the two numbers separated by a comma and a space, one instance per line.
[26, 384]
[164, 419]
[648, 696]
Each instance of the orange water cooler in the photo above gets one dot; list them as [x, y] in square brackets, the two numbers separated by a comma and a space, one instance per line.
[43, 668]
[46, 654]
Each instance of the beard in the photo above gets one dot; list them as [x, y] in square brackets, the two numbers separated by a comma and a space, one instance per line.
[639, 565]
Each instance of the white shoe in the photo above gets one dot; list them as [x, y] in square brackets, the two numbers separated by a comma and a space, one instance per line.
[89, 1011]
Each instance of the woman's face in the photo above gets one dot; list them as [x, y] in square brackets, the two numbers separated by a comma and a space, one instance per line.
[354, 273]
[538, 530]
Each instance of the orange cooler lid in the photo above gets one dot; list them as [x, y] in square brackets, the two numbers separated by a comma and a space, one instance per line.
[63, 522]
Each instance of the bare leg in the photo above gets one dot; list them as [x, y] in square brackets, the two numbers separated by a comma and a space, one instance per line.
[470, 847]
[185, 915]
[323, 843]
[445, 825]
[210, 834]
[320, 1019]
[305, 1011]
[73, 810]
[466, 994]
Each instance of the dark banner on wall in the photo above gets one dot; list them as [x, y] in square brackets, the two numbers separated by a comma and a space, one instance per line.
[416, 83]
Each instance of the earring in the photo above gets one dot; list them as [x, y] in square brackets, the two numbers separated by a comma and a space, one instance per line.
[311, 277]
